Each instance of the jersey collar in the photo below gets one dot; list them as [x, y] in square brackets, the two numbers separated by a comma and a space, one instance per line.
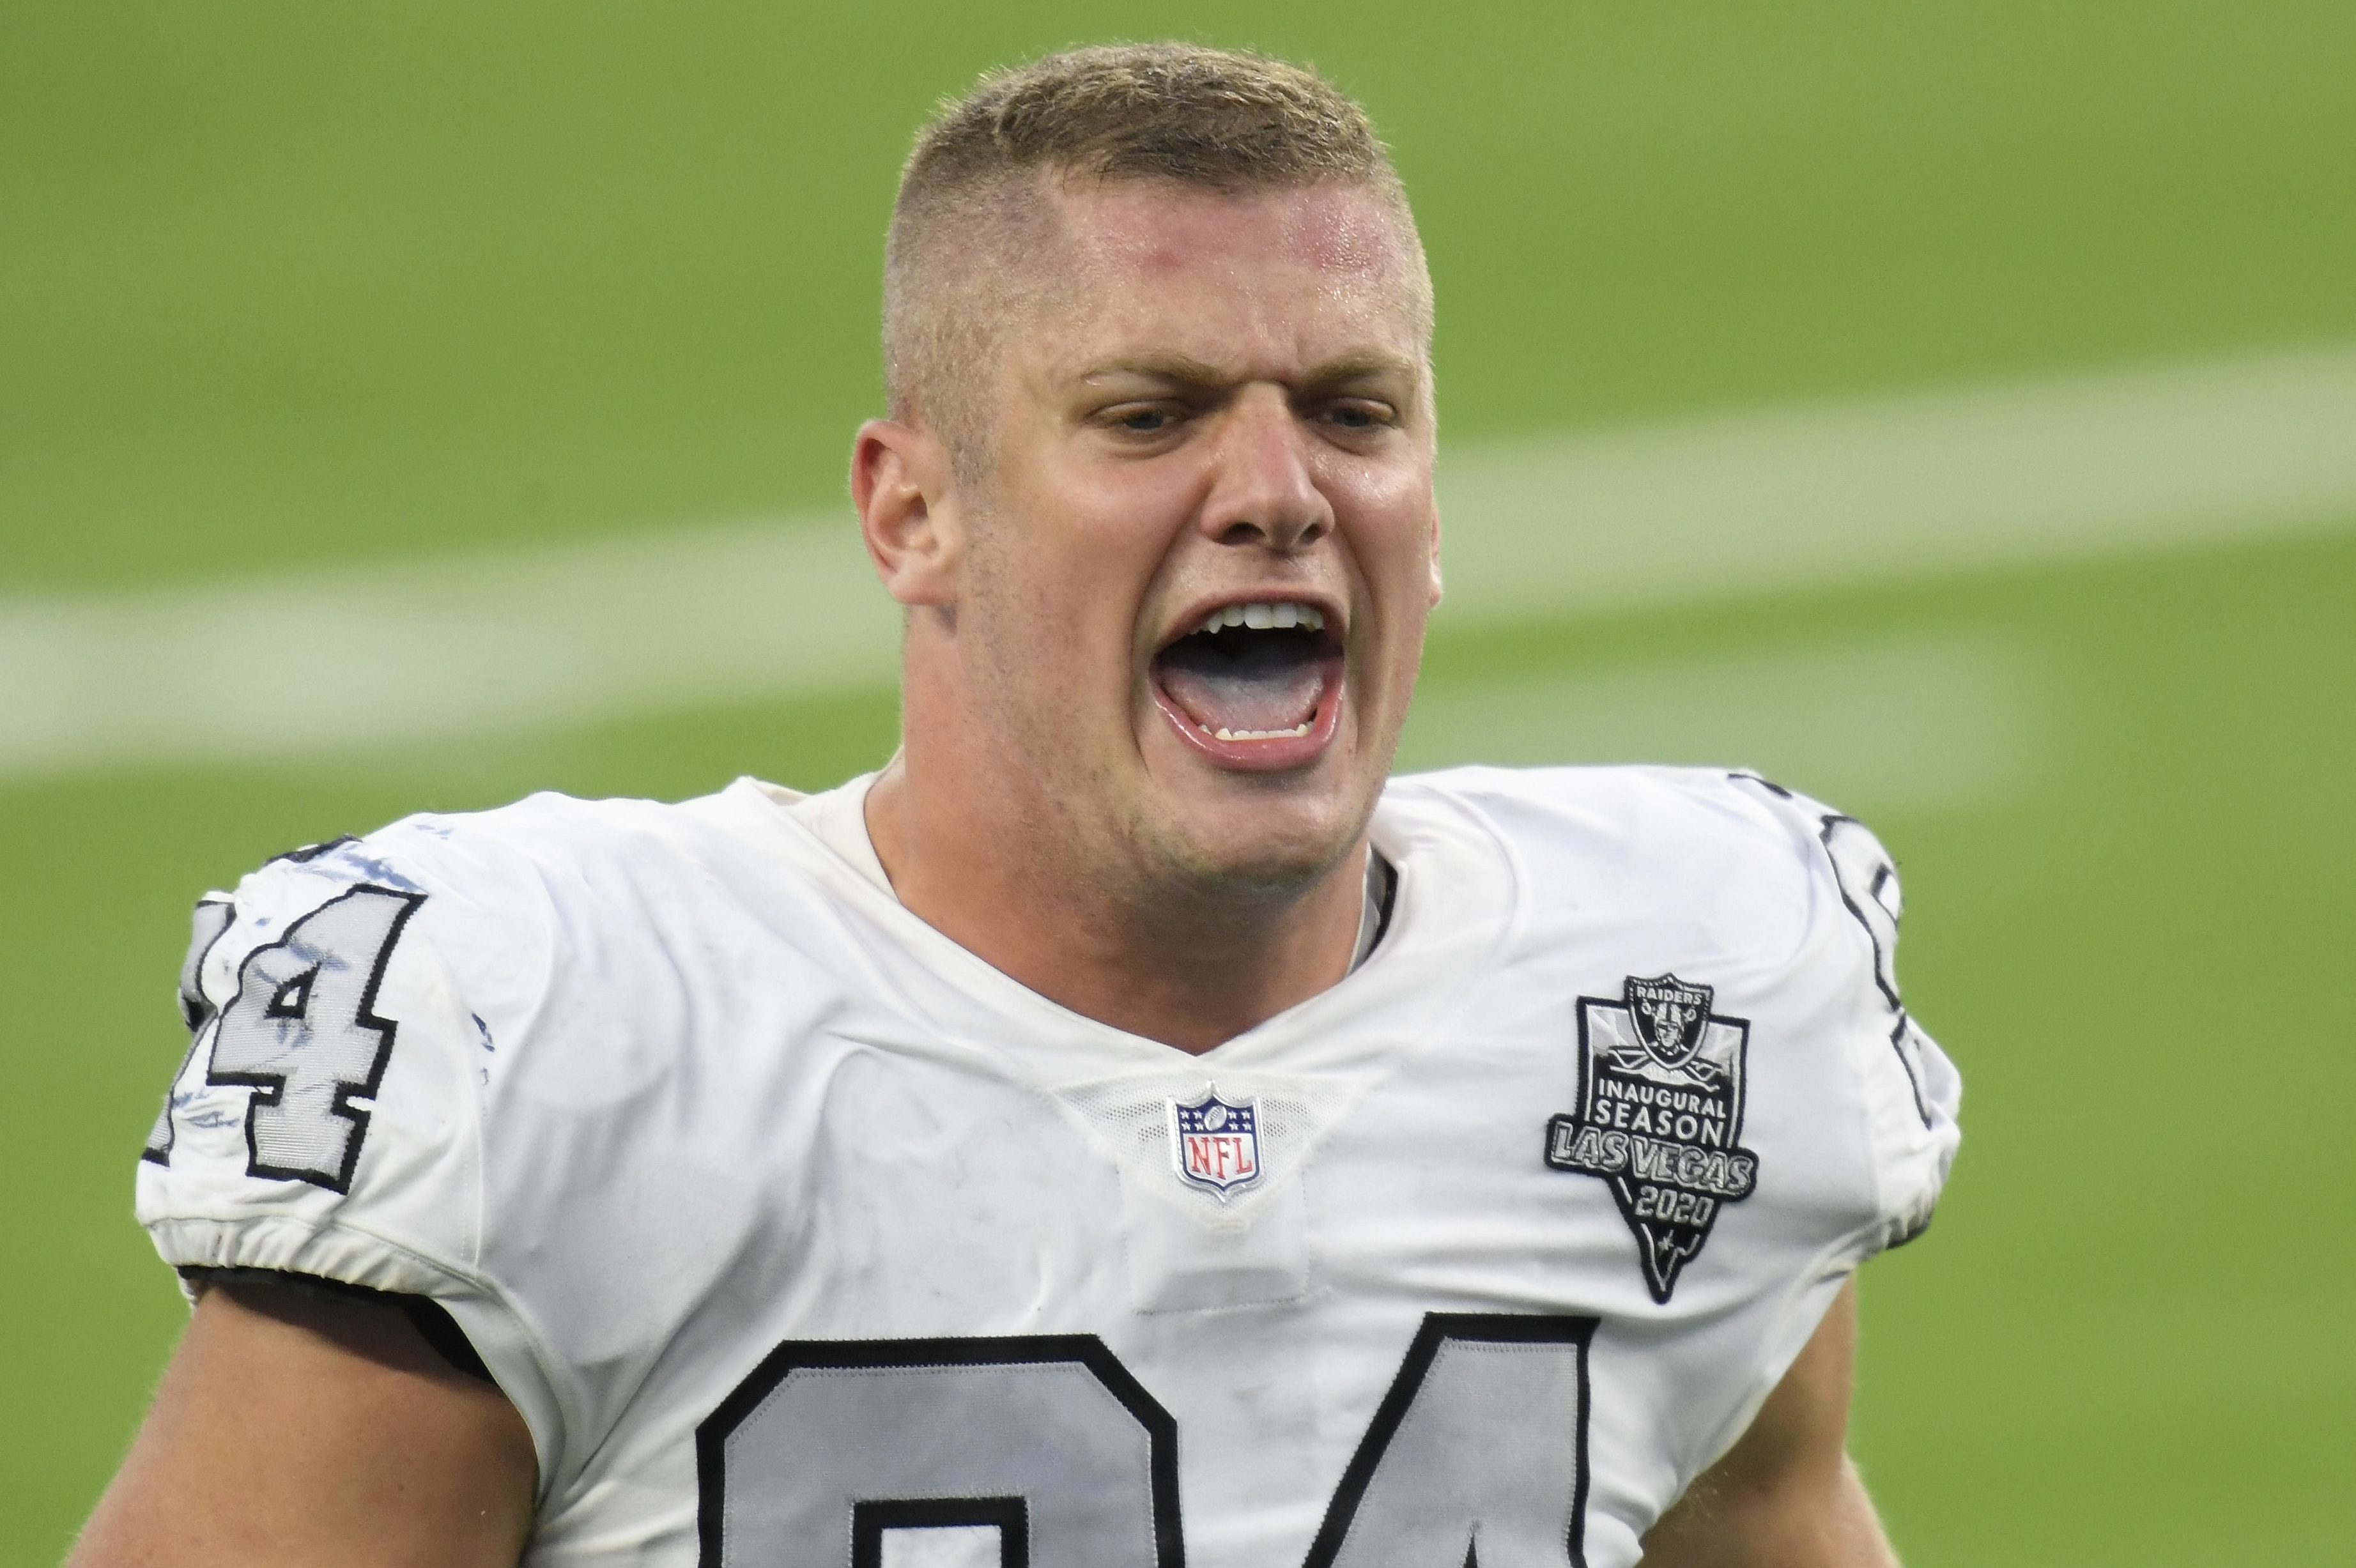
[1458, 899]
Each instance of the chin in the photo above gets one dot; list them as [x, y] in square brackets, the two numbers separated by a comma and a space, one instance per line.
[1264, 841]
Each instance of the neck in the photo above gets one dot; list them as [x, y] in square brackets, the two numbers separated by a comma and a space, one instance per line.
[1174, 963]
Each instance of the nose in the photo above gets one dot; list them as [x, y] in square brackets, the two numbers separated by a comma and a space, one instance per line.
[1263, 492]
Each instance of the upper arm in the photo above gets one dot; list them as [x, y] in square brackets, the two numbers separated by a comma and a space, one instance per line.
[295, 1430]
[1785, 1495]
[327, 1123]
[331, 1117]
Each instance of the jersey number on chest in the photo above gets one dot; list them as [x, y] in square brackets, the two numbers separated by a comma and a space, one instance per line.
[1045, 1452]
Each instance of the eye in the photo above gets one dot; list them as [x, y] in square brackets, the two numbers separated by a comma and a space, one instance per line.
[1357, 415]
[1140, 421]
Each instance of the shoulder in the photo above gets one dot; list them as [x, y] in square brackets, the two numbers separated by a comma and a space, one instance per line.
[1715, 860]
[519, 883]
[1630, 807]
[1722, 848]
[505, 859]
[418, 1057]
[1784, 911]
[546, 849]
[359, 1007]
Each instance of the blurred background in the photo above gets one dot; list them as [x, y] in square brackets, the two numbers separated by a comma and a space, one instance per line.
[1948, 409]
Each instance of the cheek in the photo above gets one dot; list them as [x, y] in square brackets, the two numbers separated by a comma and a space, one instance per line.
[1095, 538]
[1049, 622]
[1391, 525]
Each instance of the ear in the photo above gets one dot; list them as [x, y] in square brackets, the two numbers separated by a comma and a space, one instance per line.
[901, 483]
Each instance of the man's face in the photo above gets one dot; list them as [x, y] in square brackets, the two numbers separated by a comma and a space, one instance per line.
[1214, 408]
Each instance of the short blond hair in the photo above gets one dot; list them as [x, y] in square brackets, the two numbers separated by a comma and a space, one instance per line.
[1222, 119]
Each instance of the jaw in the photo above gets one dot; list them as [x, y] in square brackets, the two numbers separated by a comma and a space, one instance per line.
[1252, 838]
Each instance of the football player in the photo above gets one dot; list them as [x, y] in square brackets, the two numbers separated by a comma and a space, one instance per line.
[1129, 1129]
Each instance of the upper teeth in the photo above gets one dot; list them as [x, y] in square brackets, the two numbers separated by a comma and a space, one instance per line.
[1264, 617]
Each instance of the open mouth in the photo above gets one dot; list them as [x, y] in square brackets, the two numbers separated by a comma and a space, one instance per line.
[1255, 685]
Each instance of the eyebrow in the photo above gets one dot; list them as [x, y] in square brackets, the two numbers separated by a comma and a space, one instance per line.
[1186, 370]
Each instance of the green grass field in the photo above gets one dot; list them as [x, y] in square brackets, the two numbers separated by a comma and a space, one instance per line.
[288, 286]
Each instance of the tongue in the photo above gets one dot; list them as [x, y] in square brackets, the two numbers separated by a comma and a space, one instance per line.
[1268, 697]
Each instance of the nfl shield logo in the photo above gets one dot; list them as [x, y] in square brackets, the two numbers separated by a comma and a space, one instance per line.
[1215, 1143]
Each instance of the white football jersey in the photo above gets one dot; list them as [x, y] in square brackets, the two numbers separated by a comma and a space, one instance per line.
[800, 1236]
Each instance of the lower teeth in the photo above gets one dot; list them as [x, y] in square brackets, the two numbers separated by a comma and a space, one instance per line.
[1294, 733]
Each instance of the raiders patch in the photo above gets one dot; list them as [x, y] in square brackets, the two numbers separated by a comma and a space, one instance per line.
[1659, 1117]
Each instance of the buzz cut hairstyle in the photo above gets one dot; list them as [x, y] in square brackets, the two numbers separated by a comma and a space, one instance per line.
[970, 197]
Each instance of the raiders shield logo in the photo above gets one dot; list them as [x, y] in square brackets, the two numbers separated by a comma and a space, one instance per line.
[1669, 1016]
[1659, 1117]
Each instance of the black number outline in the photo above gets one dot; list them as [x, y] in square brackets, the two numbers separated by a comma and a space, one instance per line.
[870, 1519]
[1828, 823]
[1085, 1351]
[1438, 1328]
[270, 1088]
[196, 1011]
[306, 853]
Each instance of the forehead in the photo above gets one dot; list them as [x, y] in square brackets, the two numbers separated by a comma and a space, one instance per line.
[1281, 275]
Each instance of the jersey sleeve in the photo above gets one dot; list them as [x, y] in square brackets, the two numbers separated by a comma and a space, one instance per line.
[1909, 1093]
[327, 1119]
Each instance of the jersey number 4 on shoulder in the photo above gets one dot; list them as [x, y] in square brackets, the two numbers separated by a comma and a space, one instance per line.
[1045, 1452]
[303, 1033]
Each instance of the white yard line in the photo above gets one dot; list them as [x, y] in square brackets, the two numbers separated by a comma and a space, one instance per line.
[1920, 486]
[1693, 510]
[1915, 722]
